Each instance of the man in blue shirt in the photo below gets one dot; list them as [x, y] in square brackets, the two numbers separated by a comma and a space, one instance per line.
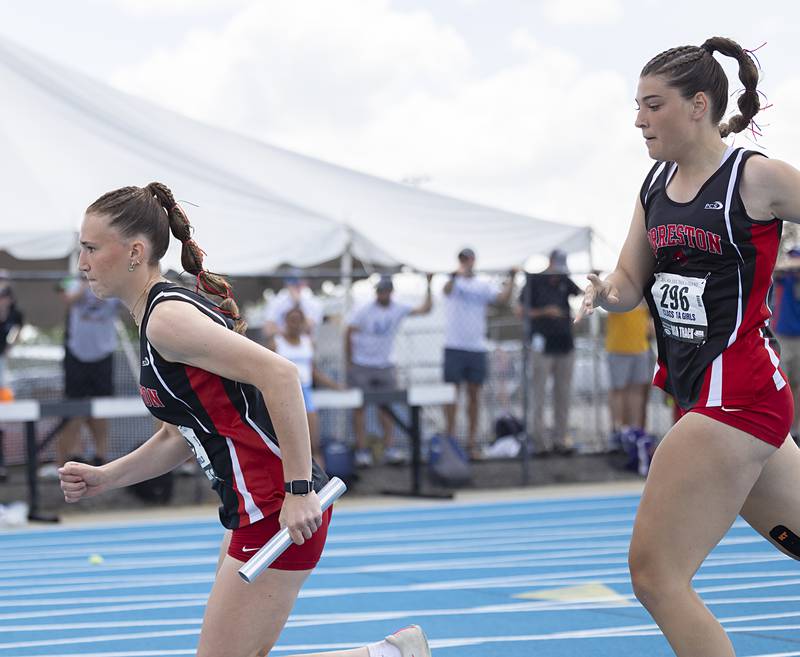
[90, 340]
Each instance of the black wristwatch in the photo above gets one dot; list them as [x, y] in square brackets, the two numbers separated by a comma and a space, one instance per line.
[298, 487]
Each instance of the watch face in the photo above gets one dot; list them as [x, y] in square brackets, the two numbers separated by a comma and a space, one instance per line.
[299, 487]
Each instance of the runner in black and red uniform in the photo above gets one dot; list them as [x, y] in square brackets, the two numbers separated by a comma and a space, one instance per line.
[701, 249]
[212, 389]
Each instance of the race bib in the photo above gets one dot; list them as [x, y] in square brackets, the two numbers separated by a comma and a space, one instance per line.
[679, 301]
[199, 451]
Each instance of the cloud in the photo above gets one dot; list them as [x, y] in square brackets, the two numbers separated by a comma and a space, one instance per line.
[582, 12]
[399, 94]
[177, 7]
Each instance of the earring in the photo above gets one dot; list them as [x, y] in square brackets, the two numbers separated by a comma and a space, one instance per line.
[132, 266]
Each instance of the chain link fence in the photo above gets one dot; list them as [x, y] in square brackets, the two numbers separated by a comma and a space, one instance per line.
[35, 370]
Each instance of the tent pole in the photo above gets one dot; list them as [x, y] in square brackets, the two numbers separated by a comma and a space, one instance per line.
[346, 272]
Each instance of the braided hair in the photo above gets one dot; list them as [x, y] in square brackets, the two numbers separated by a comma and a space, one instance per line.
[691, 69]
[152, 211]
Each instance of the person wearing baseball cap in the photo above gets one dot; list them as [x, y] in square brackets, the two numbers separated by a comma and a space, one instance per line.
[545, 299]
[369, 344]
[465, 361]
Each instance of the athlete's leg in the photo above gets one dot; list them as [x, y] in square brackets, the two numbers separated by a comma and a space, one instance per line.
[700, 476]
[774, 500]
[244, 619]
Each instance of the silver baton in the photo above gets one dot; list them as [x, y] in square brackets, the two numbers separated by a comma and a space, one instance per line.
[261, 560]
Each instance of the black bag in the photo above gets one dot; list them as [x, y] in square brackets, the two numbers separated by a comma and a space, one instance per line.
[507, 425]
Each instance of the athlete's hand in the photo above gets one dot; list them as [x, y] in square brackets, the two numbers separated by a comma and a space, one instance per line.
[595, 293]
[81, 480]
[302, 515]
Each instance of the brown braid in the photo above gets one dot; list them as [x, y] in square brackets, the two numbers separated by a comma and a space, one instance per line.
[691, 69]
[748, 102]
[151, 211]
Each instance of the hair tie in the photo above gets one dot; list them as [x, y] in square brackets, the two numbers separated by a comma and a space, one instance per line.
[708, 48]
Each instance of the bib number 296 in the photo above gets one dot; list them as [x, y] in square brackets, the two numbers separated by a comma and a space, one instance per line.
[675, 297]
[679, 301]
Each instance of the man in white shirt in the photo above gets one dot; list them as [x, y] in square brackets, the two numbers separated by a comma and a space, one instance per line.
[466, 299]
[369, 343]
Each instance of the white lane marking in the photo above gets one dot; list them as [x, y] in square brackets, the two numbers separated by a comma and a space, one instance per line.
[581, 558]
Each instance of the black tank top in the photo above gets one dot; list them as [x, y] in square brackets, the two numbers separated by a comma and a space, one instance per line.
[708, 296]
[226, 423]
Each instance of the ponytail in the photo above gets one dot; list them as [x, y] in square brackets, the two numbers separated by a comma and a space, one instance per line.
[192, 255]
[691, 69]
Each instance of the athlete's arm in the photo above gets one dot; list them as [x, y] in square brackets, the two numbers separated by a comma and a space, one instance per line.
[622, 290]
[165, 450]
[181, 333]
[771, 189]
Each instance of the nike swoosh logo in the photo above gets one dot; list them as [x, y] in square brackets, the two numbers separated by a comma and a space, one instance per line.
[729, 410]
[247, 549]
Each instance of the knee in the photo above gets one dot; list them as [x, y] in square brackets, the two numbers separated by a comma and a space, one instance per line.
[654, 584]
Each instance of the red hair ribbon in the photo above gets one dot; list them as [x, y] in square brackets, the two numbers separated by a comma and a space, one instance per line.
[753, 53]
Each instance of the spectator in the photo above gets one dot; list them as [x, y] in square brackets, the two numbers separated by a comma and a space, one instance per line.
[368, 347]
[466, 299]
[630, 370]
[10, 323]
[296, 346]
[787, 325]
[90, 340]
[545, 298]
[294, 293]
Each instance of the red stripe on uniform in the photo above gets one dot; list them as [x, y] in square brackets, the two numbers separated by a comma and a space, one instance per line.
[211, 393]
[750, 360]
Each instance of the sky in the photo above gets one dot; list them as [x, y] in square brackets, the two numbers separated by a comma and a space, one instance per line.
[526, 105]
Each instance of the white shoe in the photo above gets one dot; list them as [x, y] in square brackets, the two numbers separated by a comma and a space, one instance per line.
[363, 458]
[394, 456]
[48, 471]
[411, 641]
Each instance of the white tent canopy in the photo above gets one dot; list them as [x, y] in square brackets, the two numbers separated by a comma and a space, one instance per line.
[65, 139]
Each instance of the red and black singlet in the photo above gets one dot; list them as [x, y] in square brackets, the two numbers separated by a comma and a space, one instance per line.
[708, 296]
[226, 423]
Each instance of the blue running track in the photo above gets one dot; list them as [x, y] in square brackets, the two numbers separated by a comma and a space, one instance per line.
[541, 578]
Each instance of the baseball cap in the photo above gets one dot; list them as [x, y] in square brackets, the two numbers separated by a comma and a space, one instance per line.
[558, 261]
[466, 253]
[384, 284]
[293, 277]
